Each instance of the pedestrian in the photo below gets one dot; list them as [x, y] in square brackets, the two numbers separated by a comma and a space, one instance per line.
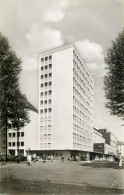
[120, 161]
[62, 158]
[44, 158]
[29, 160]
[69, 158]
[77, 158]
[51, 158]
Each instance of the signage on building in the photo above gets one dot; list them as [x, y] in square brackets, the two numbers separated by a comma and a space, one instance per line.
[98, 147]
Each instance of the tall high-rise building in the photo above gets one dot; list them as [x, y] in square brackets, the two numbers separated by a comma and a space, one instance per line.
[66, 101]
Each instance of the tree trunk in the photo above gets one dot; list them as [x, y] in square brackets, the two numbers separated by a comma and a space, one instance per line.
[18, 145]
[6, 137]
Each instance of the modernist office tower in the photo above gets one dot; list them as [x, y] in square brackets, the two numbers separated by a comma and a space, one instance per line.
[65, 102]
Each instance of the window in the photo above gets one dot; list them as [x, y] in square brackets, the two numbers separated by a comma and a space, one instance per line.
[22, 134]
[45, 84]
[41, 76]
[41, 102]
[9, 134]
[45, 110]
[41, 111]
[18, 143]
[13, 143]
[50, 109]
[50, 83]
[50, 57]
[46, 67]
[13, 134]
[9, 143]
[45, 92]
[50, 74]
[42, 85]
[45, 101]
[45, 75]
[50, 65]
[46, 58]
[41, 93]
[42, 59]
[22, 143]
[50, 92]
[42, 68]
[49, 101]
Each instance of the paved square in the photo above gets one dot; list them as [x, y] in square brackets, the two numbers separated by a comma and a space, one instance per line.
[61, 177]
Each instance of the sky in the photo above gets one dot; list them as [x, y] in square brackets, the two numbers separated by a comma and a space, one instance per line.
[34, 26]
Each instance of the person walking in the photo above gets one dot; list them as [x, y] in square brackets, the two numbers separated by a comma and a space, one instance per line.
[51, 158]
[44, 158]
[120, 161]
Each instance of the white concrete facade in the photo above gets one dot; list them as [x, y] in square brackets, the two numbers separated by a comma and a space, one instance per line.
[120, 147]
[97, 137]
[28, 136]
[65, 101]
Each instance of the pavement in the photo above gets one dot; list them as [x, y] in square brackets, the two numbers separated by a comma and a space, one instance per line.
[60, 178]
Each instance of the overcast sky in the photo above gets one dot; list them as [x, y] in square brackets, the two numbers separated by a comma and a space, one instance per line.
[33, 26]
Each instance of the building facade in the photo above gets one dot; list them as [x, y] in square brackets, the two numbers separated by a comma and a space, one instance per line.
[120, 148]
[28, 136]
[65, 102]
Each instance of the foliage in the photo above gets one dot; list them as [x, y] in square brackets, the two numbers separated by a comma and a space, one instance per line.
[13, 105]
[114, 80]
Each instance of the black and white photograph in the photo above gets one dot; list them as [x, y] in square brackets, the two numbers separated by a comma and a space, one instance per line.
[61, 97]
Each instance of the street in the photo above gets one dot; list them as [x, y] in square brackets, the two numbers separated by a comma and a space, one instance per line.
[60, 177]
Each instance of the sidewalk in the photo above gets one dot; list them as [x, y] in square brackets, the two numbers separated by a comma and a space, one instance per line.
[61, 178]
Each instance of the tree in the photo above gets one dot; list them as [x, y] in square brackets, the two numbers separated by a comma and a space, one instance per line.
[114, 79]
[10, 68]
[19, 115]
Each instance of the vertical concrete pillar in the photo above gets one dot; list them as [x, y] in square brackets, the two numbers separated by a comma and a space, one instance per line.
[15, 152]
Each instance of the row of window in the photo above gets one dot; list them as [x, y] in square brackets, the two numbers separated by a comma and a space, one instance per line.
[46, 58]
[81, 76]
[77, 111]
[46, 67]
[45, 145]
[82, 90]
[82, 146]
[46, 84]
[46, 102]
[19, 134]
[16, 144]
[46, 110]
[49, 92]
[46, 75]
[81, 65]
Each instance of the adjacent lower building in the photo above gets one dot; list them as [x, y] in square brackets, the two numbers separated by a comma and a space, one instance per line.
[105, 144]
[28, 135]
[120, 147]
[66, 101]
